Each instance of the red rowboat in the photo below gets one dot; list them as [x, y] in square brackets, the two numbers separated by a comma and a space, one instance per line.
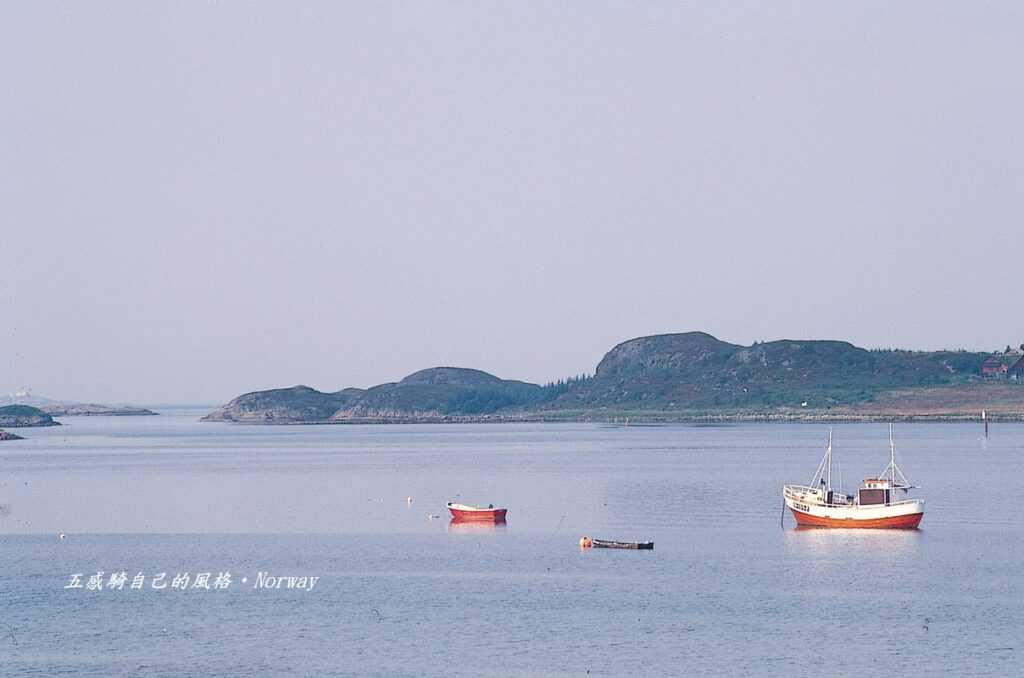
[464, 513]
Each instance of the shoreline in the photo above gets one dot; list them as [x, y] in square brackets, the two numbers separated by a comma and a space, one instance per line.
[627, 419]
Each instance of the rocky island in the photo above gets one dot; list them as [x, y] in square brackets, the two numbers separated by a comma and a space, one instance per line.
[59, 408]
[4, 435]
[13, 416]
[94, 410]
[689, 376]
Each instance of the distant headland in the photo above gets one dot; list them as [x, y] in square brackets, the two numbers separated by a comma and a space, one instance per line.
[690, 376]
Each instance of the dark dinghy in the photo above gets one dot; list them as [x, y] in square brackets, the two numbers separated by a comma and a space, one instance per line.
[587, 542]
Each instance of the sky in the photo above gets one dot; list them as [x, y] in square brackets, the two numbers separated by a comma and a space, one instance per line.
[204, 199]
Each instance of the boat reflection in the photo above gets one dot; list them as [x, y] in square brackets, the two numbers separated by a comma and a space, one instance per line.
[815, 529]
[475, 527]
[876, 545]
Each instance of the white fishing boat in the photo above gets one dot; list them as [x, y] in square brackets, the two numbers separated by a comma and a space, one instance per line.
[878, 504]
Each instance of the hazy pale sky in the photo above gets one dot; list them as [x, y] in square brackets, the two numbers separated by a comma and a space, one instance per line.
[201, 199]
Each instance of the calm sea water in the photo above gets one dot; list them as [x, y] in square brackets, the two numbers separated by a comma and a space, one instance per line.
[727, 591]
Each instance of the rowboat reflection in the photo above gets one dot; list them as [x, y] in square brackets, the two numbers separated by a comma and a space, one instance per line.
[475, 527]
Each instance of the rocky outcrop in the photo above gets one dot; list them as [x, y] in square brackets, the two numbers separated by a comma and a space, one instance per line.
[4, 435]
[362, 412]
[295, 405]
[13, 416]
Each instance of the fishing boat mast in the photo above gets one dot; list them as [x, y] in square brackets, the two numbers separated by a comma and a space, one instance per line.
[828, 483]
[892, 457]
[897, 481]
[823, 476]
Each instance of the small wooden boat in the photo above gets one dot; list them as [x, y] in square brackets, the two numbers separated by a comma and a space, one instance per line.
[587, 542]
[465, 513]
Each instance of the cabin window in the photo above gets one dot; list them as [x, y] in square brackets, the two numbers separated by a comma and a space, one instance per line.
[872, 497]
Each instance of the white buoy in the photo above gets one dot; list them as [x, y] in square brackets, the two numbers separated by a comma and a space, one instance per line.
[60, 536]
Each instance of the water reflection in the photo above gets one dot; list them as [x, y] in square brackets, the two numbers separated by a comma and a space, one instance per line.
[827, 544]
[456, 526]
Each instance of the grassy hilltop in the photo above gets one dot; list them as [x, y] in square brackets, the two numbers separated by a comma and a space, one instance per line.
[696, 371]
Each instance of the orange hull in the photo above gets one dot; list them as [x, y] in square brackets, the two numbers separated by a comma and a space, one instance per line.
[907, 522]
[484, 516]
